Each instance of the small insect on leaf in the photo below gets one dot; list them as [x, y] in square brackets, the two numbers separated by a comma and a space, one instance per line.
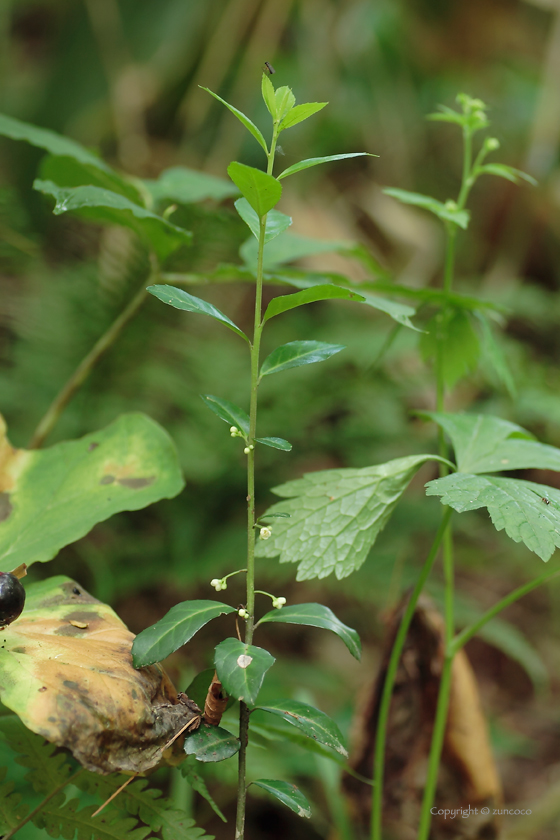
[269, 67]
[545, 500]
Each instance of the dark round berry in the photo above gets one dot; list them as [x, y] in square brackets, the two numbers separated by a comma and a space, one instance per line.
[12, 598]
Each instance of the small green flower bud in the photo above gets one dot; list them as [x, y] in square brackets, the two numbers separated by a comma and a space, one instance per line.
[265, 532]
[278, 603]
[242, 613]
[233, 430]
[492, 143]
[246, 450]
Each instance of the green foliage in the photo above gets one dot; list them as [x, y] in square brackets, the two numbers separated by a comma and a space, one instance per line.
[448, 212]
[180, 299]
[275, 443]
[287, 793]
[316, 615]
[306, 164]
[187, 186]
[312, 722]
[197, 783]
[276, 222]
[262, 191]
[66, 819]
[227, 411]
[12, 810]
[451, 334]
[324, 292]
[249, 125]
[241, 668]
[211, 743]
[298, 353]
[48, 770]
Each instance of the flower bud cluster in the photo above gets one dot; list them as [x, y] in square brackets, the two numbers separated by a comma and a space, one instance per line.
[218, 584]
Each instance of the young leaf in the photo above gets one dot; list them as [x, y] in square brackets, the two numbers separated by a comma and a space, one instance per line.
[287, 248]
[336, 516]
[187, 186]
[314, 723]
[507, 172]
[189, 303]
[211, 743]
[493, 353]
[262, 191]
[300, 113]
[324, 292]
[174, 630]
[276, 222]
[241, 668]
[297, 353]
[111, 208]
[285, 101]
[484, 444]
[267, 90]
[453, 332]
[251, 127]
[56, 495]
[317, 615]
[446, 212]
[528, 512]
[306, 164]
[228, 411]
[197, 783]
[275, 443]
[288, 794]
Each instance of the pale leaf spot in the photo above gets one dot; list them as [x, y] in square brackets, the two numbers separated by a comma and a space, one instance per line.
[244, 661]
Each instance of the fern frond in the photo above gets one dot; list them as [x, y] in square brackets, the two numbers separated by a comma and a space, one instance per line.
[47, 771]
[197, 783]
[12, 811]
[63, 819]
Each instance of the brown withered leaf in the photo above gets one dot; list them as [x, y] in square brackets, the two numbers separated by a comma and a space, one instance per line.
[468, 774]
[66, 670]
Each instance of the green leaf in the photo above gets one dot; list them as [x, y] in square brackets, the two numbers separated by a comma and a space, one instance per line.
[285, 101]
[198, 687]
[276, 222]
[251, 127]
[189, 303]
[275, 443]
[297, 353]
[267, 90]
[288, 794]
[336, 516]
[241, 668]
[528, 512]
[69, 172]
[111, 208]
[56, 495]
[174, 630]
[60, 818]
[306, 164]
[317, 615]
[47, 770]
[484, 444]
[197, 783]
[494, 354]
[12, 810]
[287, 248]
[300, 113]
[228, 411]
[447, 212]
[211, 743]
[262, 191]
[314, 723]
[399, 312]
[507, 172]
[324, 292]
[452, 330]
[188, 186]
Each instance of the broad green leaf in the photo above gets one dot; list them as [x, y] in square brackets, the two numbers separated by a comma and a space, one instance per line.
[447, 212]
[275, 443]
[197, 783]
[399, 312]
[251, 127]
[56, 495]
[453, 332]
[507, 172]
[276, 222]
[306, 164]
[241, 668]
[484, 444]
[300, 113]
[324, 292]
[288, 794]
[528, 512]
[262, 191]
[336, 515]
[187, 186]
[198, 687]
[263, 728]
[267, 90]
[70, 172]
[287, 248]
[317, 615]
[314, 723]
[297, 353]
[493, 352]
[106, 207]
[189, 303]
[211, 743]
[228, 411]
[174, 630]
[285, 101]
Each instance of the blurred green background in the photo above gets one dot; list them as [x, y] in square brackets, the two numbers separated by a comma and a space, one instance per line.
[123, 76]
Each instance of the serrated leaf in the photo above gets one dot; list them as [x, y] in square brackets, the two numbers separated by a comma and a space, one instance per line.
[180, 299]
[12, 810]
[297, 353]
[228, 411]
[262, 191]
[286, 248]
[111, 208]
[300, 113]
[58, 818]
[267, 90]
[188, 186]
[507, 172]
[317, 615]
[315, 293]
[275, 443]
[312, 722]
[528, 512]
[451, 333]
[484, 444]
[446, 212]
[241, 668]
[288, 794]
[306, 164]
[47, 771]
[211, 743]
[174, 630]
[336, 516]
[56, 495]
[250, 126]
[276, 222]
[197, 783]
